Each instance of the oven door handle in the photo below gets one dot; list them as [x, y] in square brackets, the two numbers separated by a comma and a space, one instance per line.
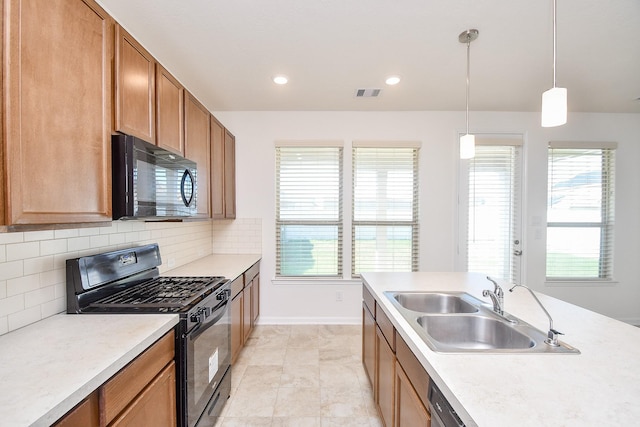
[215, 316]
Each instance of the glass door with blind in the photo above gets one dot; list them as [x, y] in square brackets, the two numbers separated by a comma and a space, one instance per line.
[490, 225]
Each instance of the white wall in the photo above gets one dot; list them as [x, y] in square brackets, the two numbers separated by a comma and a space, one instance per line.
[255, 135]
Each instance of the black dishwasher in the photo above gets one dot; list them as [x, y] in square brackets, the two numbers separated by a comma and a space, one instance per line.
[442, 414]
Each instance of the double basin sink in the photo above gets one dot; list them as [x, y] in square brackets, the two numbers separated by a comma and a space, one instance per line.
[457, 322]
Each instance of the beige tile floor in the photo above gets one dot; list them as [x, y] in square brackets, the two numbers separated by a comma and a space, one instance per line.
[299, 376]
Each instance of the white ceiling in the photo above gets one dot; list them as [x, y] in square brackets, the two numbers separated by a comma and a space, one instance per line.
[226, 52]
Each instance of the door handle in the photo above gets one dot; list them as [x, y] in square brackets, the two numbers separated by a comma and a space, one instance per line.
[517, 252]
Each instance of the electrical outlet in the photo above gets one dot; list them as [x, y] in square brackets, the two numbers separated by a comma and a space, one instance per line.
[171, 262]
[339, 296]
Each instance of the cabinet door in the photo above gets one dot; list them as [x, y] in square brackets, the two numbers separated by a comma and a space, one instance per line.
[197, 148]
[237, 305]
[135, 88]
[255, 300]
[57, 112]
[155, 406]
[369, 345]
[385, 374]
[217, 169]
[229, 175]
[85, 414]
[246, 314]
[410, 412]
[169, 111]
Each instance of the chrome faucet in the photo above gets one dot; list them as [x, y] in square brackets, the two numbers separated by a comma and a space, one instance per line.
[552, 335]
[497, 296]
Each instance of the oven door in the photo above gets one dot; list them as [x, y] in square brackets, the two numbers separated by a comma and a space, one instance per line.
[207, 358]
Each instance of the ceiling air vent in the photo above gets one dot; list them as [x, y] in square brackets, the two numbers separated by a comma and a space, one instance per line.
[367, 93]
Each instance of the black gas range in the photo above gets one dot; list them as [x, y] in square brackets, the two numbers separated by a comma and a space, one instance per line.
[128, 281]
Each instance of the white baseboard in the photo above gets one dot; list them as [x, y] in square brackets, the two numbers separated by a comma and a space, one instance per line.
[309, 320]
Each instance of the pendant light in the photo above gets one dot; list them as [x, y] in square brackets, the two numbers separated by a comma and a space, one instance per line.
[468, 141]
[554, 101]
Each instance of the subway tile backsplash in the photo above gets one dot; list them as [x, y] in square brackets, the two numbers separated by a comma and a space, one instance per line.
[32, 263]
[239, 236]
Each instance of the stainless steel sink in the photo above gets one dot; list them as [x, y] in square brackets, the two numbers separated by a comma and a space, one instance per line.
[474, 333]
[436, 302]
[457, 322]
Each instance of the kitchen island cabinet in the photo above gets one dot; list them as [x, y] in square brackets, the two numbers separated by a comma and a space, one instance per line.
[135, 88]
[522, 389]
[57, 117]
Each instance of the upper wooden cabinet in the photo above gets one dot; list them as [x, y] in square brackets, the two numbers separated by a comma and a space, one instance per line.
[223, 173]
[229, 175]
[57, 112]
[169, 111]
[197, 148]
[135, 88]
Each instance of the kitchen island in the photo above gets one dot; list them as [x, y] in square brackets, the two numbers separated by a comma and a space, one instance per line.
[598, 387]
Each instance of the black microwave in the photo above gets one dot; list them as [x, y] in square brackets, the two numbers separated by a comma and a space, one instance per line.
[150, 182]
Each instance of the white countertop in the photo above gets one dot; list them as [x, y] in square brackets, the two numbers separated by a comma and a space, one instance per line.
[599, 387]
[227, 265]
[48, 367]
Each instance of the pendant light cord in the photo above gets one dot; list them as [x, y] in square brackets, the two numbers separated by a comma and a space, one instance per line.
[554, 43]
[468, 61]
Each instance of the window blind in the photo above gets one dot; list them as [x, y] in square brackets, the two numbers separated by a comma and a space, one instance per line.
[385, 209]
[493, 211]
[580, 212]
[309, 211]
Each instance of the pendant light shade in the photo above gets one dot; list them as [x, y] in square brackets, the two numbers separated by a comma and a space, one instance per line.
[467, 146]
[554, 101]
[554, 107]
[468, 141]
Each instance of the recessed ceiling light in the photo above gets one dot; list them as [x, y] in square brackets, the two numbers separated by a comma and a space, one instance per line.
[280, 79]
[392, 80]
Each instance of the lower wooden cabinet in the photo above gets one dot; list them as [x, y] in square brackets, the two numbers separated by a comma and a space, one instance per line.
[386, 378]
[399, 381]
[245, 308]
[369, 344]
[143, 393]
[86, 413]
[237, 305]
[410, 412]
[155, 406]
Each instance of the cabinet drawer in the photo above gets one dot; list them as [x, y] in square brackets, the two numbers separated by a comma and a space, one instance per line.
[251, 273]
[236, 286]
[386, 327]
[369, 301]
[123, 387]
[418, 376]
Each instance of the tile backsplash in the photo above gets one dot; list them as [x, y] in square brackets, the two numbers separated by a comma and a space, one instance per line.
[32, 263]
[239, 236]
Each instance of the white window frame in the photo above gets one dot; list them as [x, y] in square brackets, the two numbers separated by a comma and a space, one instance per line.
[413, 222]
[607, 208]
[303, 220]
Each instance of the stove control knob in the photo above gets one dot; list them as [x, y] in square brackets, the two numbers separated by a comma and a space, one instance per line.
[198, 316]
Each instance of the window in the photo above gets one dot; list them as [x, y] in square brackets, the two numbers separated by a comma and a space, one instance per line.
[385, 208]
[492, 181]
[308, 211]
[580, 211]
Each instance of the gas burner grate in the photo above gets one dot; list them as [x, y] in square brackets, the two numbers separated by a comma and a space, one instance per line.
[169, 292]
